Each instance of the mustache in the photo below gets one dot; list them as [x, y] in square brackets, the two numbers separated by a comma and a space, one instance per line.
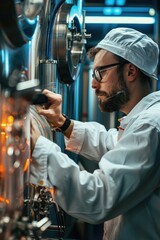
[114, 94]
[101, 93]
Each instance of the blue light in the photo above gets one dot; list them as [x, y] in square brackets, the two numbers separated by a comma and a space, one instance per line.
[117, 11]
[5, 61]
[109, 11]
[113, 2]
[120, 2]
[119, 20]
[109, 2]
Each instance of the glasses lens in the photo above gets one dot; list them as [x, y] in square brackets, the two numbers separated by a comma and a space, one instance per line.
[97, 75]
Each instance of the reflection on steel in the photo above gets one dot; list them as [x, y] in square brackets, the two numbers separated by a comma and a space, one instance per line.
[16, 28]
[26, 67]
[69, 39]
[38, 44]
[23, 229]
[32, 8]
[14, 158]
[48, 74]
[40, 201]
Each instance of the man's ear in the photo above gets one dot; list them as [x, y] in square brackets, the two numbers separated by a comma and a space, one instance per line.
[132, 71]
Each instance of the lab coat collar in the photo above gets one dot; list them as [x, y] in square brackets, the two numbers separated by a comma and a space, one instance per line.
[142, 105]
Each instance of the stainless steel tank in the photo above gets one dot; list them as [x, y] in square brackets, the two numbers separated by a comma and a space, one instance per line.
[42, 45]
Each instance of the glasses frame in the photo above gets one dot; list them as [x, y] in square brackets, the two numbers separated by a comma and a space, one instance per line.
[105, 68]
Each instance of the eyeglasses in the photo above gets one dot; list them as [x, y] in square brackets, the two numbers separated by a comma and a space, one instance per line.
[97, 72]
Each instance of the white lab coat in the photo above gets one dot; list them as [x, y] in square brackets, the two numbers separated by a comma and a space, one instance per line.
[124, 192]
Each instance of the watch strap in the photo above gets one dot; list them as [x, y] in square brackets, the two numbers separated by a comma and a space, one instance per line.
[65, 125]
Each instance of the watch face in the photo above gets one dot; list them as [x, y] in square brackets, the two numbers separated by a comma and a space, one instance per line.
[17, 29]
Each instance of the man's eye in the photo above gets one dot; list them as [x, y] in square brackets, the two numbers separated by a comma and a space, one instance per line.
[103, 72]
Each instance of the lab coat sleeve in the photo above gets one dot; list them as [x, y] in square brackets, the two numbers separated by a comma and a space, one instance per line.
[91, 140]
[75, 190]
[127, 175]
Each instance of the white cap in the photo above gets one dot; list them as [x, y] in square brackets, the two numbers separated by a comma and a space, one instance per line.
[133, 46]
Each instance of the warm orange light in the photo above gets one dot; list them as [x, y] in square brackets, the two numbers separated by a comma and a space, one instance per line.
[2, 199]
[10, 119]
[1, 169]
[3, 129]
[26, 165]
[52, 191]
[3, 125]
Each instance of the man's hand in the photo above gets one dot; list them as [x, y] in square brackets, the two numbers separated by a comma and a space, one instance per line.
[52, 109]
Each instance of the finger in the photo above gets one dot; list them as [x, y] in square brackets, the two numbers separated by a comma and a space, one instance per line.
[46, 112]
[53, 97]
[39, 108]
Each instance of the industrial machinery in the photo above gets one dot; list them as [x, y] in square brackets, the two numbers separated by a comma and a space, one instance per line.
[42, 45]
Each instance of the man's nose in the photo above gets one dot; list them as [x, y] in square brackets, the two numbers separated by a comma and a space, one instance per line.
[95, 84]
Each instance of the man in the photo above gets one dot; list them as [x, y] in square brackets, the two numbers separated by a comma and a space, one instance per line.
[124, 192]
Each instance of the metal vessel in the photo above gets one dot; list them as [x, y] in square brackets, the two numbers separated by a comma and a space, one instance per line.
[42, 45]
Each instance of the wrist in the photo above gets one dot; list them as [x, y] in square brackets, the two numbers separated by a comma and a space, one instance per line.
[66, 123]
[63, 124]
[61, 120]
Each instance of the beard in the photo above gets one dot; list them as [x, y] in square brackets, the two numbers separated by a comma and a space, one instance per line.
[116, 99]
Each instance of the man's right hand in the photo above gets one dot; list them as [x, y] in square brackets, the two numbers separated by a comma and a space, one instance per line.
[52, 110]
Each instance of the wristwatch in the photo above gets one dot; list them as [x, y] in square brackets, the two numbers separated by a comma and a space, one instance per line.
[65, 125]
